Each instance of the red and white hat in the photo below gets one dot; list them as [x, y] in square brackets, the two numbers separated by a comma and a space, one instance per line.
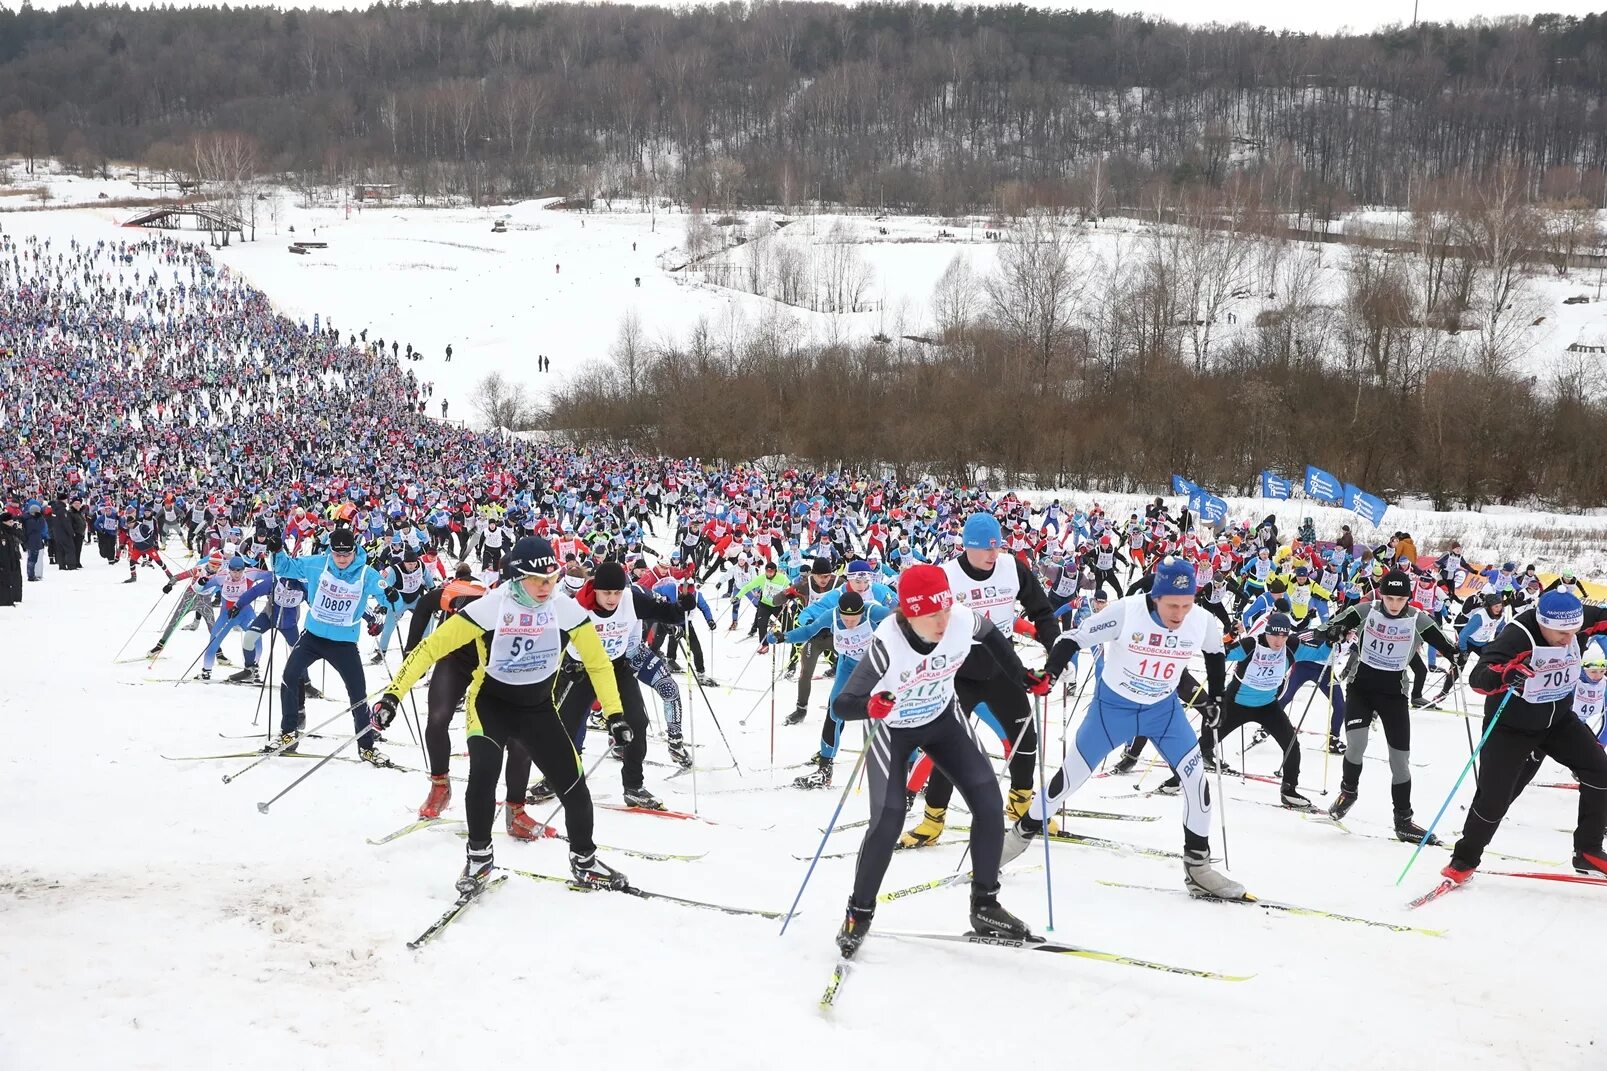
[924, 589]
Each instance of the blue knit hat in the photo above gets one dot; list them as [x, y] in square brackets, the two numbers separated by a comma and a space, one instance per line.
[982, 532]
[1173, 577]
[1560, 610]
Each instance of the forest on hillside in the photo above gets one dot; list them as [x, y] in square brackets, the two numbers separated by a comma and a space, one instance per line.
[904, 106]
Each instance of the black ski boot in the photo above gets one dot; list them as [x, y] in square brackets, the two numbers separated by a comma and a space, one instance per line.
[1343, 802]
[476, 869]
[798, 714]
[588, 871]
[819, 778]
[1125, 764]
[1412, 833]
[1592, 863]
[640, 798]
[246, 676]
[991, 920]
[1294, 800]
[540, 792]
[855, 925]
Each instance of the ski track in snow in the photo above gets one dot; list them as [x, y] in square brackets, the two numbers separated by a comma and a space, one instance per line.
[151, 918]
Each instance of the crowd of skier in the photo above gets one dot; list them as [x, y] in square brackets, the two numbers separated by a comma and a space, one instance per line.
[283, 487]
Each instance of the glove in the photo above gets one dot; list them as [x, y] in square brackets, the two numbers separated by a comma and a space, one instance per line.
[619, 730]
[1515, 671]
[274, 542]
[167, 587]
[1210, 714]
[385, 711]
[374, 627]
[1037, 682]
[687, 600]
[879, 705]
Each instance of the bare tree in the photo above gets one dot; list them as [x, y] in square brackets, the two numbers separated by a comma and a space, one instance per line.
[629, 351]
[501, 403]
[1041, 271]
[954, 298]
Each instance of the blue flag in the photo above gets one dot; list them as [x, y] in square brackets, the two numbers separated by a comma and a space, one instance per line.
[1274, 486]
[1322, 485]
[1197, 497]
[1180, 486]
[1212, 508]
[1369, 508]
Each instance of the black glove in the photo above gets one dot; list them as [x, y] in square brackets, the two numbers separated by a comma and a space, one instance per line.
[167, 587]
[687, 600]
[273, 542]
[619, 730]
[385, 711]
[1210, 714]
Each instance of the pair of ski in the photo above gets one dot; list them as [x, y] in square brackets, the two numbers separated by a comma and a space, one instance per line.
[1323, 818]
[1447, 885]
[1070, 812]
[840, 972]
[501, 875]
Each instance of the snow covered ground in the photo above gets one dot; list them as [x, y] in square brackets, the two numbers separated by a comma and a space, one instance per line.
[150, 917]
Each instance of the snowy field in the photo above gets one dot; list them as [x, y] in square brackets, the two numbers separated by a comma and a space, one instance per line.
[154, 919]
[151, 918]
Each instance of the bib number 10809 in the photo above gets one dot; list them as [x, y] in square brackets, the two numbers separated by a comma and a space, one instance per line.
[1160, 669]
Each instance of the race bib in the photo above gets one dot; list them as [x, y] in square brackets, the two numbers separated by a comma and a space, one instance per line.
[1556, 674]
[337, 603]
[1387, 644]
[525, 646]
[1265, 670]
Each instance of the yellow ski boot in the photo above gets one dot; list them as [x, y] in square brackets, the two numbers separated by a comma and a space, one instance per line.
[1015, 808]
[926, 831]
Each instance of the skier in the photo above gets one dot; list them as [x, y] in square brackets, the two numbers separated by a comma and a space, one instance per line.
[1263, 662]
[339, 585]
[1528, 675]
[519, 631]
[1376, 683]
[1152, 639]
[851, 624]
[616, 609]
[905, 685]
[990, 583]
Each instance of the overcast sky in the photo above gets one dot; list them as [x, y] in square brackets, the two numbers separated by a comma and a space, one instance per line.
[1327, 17]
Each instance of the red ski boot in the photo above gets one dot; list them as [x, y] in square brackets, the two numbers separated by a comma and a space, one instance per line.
[521, 826]
[439, 798]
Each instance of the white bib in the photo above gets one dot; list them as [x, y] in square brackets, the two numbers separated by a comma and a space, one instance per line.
[1488, 627]
[993, 597]
[1556, 674]
[1588, 696]
[336, 602]
[1387, 643]
[1265, 669]
[525, 641]
[286, 594]
[851, 642]
[620, 631]
[1145, 659]
[922, 685]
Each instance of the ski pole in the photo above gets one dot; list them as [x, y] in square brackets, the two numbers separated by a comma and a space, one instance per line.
[733, 682]
[691, 736]
[159, 600]
[598, 761]
[415, 724]
[1467, 729]
[279, 748]
[716, 719]
[1222, 797]
[1043, 788]
[267, 679]
[1021, 734]
[1459, 779]
[756, 702]
[262, 808]
[1328, 744]
[859, 764]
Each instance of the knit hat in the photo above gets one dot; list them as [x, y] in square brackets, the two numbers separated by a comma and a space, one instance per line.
[860, 565]
[1172, 577]
[1395, 582]
[851, 603]
[982, 532]
[924, 589]
[821, 567]
[1560, 611]
[610, 576]
[1279, 625]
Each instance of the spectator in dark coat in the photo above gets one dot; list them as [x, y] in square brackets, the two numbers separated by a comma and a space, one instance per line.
[35, 534]
[62, 543]
[10, 556]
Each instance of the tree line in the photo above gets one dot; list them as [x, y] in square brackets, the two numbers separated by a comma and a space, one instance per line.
[906, 106]
[1199, 346]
